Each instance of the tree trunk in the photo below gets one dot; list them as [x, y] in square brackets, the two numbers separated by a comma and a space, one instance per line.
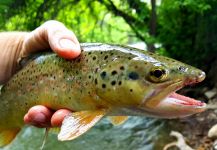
[153, 25]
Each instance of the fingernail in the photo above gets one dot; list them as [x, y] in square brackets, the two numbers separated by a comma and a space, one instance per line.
[66, 44]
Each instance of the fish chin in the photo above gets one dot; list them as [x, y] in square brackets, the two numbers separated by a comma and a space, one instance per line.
[173, 106]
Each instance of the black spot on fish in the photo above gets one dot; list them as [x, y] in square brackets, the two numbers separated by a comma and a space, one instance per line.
[103, 75]
[122, 68]
[96, 81]
[103, 86]
[96, 70]
[89, 76]
[105, 57]
[133, 75]
[119, 83]
[131, 90]
[94, 57]
[113, 83]
[89, 53]
[114, 72]
[101, 52]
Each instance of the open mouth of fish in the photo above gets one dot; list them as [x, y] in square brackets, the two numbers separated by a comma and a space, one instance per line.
[179, 104]
[169, 104]
[175, 98]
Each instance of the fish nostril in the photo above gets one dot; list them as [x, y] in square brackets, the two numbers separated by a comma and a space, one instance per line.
[201, 76]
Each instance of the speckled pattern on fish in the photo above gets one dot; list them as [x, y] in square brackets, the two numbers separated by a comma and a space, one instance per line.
[118, 79]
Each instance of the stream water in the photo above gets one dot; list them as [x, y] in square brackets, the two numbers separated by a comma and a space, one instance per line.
[136, 134]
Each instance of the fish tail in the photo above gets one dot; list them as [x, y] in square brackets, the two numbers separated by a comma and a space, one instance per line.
[7, 135]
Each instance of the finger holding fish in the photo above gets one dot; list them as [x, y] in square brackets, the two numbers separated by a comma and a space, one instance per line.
[62, 41]
[43, 117]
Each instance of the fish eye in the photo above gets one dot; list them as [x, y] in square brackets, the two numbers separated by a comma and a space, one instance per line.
[158, 74]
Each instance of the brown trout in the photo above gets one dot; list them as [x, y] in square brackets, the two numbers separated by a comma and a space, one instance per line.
[105, 80]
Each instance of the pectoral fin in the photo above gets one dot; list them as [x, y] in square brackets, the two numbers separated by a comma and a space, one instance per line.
[45, 138]
[78, 123]
[6, 136]
[118, 120]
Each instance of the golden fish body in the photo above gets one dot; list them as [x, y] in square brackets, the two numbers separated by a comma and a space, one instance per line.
[105, 79]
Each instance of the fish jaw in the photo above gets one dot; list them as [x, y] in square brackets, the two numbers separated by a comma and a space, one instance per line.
[169, 104]
[176, 105]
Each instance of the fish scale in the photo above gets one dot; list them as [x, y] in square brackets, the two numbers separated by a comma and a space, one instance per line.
[105, 79]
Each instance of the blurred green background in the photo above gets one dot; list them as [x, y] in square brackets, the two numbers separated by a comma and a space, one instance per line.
[182, 29]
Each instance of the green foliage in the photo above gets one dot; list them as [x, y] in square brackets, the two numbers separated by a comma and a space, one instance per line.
[188, 29]
[90, 20]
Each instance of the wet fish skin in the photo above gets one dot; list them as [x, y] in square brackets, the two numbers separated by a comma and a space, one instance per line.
[109, 77]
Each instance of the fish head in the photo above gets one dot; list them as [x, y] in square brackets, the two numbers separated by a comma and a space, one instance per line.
[164, 78]
[147, 85]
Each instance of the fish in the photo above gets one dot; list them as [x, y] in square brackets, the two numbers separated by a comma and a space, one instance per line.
[105, 80]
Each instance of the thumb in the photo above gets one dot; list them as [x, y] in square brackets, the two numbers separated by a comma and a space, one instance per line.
[52, 34]
[64, 43]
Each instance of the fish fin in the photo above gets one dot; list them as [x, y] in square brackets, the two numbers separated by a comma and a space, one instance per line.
[54, 130]
[7, 135]
[118, 120]
[45, 138]
[78, 123]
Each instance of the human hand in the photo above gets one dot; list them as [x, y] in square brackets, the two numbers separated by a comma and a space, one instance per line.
[41, 116]
[56, 36]
[15, 45]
